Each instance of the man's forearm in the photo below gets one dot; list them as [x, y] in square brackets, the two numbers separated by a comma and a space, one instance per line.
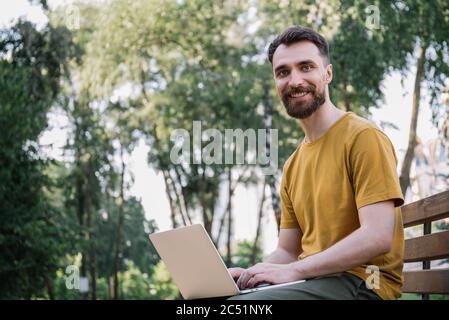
[281, 256]
[356, 249]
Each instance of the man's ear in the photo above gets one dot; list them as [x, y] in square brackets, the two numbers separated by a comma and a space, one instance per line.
[329, 74]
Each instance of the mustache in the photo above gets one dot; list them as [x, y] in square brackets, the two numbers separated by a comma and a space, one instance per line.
[291, 91]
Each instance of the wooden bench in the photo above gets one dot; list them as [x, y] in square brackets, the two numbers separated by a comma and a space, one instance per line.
[430, 246]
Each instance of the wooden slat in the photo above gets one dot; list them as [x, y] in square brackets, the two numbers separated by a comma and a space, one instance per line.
[430, 247]
[426, 210]
[426, 281]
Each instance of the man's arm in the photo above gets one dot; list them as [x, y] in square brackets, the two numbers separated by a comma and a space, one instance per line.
[373, 238]
[287, 251]
[289, 247]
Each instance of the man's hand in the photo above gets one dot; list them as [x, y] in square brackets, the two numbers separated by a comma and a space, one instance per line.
[235, 273]
[267, 273]
[289, 247]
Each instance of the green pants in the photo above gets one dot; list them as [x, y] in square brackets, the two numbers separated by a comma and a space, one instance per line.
[340, 286]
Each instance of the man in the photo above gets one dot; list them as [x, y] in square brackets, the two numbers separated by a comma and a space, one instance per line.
[341, 226]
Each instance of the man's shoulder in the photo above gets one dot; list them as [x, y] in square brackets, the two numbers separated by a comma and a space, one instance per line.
[359, 129]
[290, 159]
[365, 136]
[350, 132]
[356, 124]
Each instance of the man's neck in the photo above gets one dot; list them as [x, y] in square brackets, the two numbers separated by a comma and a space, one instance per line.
[321, 120]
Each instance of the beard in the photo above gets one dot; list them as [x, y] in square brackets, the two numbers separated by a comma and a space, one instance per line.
[303, 109]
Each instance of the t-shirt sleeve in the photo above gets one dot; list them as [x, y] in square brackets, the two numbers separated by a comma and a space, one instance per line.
[288, 217]
[373, 169]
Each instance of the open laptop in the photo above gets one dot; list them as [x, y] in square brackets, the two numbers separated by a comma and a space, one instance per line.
[195, 264]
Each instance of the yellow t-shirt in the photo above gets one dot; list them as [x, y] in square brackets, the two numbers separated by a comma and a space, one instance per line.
[326, 181]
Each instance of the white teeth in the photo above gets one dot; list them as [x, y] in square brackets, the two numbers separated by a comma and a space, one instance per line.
[301, 94]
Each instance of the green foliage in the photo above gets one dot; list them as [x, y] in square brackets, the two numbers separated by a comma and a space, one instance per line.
[243, 256]
[162, 286]
[34, 234]
[139, 285]
[138, 249]
[135, 284]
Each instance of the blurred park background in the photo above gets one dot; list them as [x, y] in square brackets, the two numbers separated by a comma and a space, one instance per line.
[90, 92]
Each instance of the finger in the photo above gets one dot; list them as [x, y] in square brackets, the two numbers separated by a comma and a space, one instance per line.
[256, 280]
[233, 272]
[243, 279]
[248, 274]
[239, 280]
[236, 274]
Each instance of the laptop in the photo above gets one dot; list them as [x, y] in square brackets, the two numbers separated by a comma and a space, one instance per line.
[195, 264]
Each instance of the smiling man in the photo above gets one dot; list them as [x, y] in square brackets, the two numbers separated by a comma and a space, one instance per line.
[341, 225]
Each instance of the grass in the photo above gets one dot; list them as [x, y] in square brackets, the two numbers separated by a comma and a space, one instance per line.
[414, 296]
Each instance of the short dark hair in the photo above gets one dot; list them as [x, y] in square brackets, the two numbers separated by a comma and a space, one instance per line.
[295, 34]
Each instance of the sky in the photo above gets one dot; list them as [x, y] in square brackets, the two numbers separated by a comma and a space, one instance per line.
[149, 186]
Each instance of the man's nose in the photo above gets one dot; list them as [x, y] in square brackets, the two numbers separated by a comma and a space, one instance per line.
[296, 79]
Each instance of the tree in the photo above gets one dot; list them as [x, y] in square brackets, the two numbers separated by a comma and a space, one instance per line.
[32, 63]
[423, 38]
[178, 71]
[136, 248]
[90, 148]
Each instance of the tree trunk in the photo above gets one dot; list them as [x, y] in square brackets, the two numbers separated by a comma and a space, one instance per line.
[49, 286]
[167, 180]
[171, 194]
[182, 196]
[259, 224]
[268, 110]
[346, 103]
[207, 216]
[228, 246]
[110, 257]
[110, 288]
[81, 212]
[89, 235]
[93, 267]
[224, 215]
[410, 153]
[179, 206]
[120, 226]
[168, 191]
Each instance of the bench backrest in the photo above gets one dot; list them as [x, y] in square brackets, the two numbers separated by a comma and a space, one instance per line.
[430, 246]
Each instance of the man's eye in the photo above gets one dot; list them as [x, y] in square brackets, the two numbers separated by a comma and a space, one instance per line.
[306, 67]
[282, 73]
